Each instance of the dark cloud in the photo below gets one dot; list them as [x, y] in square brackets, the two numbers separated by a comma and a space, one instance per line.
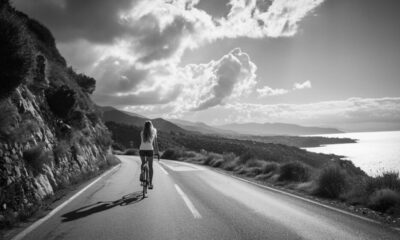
[159, 44]
[116, 75]
[94, 20]
[151, 97]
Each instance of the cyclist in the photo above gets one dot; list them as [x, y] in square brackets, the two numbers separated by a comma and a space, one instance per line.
[148, 146]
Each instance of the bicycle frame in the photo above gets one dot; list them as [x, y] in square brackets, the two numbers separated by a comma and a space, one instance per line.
[146, 174]
[146, 177]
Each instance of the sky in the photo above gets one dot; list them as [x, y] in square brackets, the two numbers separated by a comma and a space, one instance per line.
[309, 62]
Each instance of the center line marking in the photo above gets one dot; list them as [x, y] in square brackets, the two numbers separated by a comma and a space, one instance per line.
[189, 204]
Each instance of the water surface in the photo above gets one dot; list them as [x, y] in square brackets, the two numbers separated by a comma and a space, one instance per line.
[374, 152]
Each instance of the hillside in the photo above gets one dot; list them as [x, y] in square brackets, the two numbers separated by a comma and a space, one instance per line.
[200, 127]
[109, 108]
[51, 135]
[276, 129]
[125, 134]
[117, 116]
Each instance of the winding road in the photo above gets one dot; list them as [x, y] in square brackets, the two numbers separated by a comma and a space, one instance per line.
[193, 202]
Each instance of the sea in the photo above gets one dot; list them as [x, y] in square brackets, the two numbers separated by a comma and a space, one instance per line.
[374, 152]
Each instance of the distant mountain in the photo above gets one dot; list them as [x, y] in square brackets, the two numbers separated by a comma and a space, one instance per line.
[111, 114]
[109, 108]
[264, 129]
[201, 127]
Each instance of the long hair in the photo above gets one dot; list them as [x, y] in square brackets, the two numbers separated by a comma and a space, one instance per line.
[148, 131]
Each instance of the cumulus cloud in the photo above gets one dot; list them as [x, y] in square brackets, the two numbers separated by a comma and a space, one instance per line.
[134, 47]
[234, 74]
[193, 87]
[261, 18]
[267, 91]
[304, 85]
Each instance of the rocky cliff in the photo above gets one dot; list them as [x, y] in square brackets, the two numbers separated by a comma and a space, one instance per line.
[50, 133]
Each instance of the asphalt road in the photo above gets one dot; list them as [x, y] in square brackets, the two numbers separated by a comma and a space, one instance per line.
[194, 202]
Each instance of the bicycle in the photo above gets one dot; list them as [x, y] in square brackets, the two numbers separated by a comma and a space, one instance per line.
[144, 175]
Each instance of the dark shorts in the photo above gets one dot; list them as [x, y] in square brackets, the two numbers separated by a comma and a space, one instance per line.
[146, 153]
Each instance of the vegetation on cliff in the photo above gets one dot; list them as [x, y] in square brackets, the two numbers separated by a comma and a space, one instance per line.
[51, 134]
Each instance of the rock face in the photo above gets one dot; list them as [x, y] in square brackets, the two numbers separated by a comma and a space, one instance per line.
[50, 133]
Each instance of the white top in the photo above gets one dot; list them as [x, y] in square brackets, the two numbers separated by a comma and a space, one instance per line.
[149, 144]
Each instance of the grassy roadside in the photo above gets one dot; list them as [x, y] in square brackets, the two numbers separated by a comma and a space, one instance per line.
[337, 183]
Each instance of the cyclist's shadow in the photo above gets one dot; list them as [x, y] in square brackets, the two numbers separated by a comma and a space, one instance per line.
[102, 206]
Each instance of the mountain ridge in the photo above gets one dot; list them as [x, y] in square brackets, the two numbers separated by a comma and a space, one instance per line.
[267, 129]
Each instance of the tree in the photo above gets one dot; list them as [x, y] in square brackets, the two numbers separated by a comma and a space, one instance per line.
[15, 52]
[87, 84]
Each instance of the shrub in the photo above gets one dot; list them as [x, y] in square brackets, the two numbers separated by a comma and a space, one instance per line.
[228, 157]
[15, 53]
[356, 193]
[255, 163]
[253, 171]
[41, 32]
[87, 84]
[176, 154]
[103, 139]
[211, 157]
[94, 117]
[118, 146]
[384, 199]
[294, 171]
[61, 101]
[24, 130]
[216, 163]
[131, 152]
[172, 154]
[388, 180]
[61, 149]
[270, 167]
[246, 156]
[77, 138]
[37, 157]
[331, 182]
[262, 177]
[7, 117]
[77, 119]
[112, 160]
[230, 166]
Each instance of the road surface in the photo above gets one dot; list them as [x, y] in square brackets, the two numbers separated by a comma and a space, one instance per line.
[194, 202]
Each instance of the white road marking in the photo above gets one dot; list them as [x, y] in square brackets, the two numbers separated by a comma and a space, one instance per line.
[181, 168]
[32, 227]
[189, 204]
[191, 165]
[162, 169]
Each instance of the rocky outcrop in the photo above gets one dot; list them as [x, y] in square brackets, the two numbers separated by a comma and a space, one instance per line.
[51, 135]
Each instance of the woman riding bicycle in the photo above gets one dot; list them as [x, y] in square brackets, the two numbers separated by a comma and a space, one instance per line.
[148, 146]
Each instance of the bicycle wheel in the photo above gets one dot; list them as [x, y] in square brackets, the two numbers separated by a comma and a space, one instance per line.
[146, 179]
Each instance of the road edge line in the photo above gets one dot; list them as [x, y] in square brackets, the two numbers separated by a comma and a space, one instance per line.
[306, 199]
[36, 224]
[189, 203]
